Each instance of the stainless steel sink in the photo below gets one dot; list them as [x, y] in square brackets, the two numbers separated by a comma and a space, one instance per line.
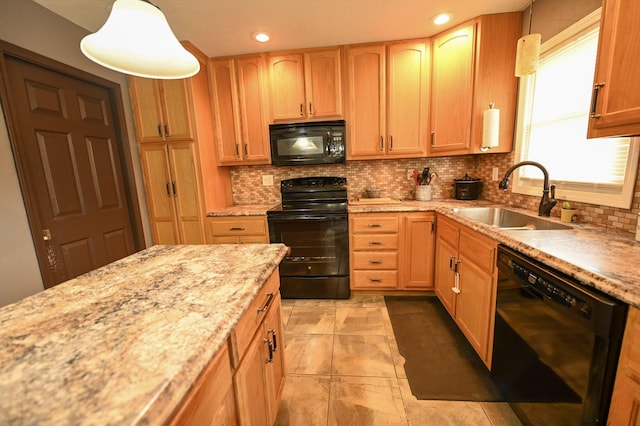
[508, 219]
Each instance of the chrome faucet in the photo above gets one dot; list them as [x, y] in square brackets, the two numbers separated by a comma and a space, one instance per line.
[546, 203]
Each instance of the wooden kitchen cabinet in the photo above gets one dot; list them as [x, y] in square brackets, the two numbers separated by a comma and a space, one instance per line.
[161, 109]
[472, 66]
[615, 109]
[306, 85]
[388, 90]
[419, 245]
[258, 354]
[237, 230]
[625, 402]
[173, 192]
[374, 245]
[466, 280]
[392, 251]
[239, 108]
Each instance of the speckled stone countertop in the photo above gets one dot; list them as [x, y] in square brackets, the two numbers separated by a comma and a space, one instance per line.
[242, 210]
[124, 343]
[606, 259]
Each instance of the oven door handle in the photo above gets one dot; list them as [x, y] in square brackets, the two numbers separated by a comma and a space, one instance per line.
[307, 217]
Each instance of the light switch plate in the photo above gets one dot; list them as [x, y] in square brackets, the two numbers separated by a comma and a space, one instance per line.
[267, 180]
[494, 174]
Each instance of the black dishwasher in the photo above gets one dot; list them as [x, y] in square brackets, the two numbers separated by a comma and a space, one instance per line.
[556, 344]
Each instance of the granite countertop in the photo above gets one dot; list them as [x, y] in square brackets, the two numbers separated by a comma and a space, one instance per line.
[123, 344]
[606, 259]
[242, 210]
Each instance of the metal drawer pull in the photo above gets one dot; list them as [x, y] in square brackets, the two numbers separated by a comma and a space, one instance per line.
[375, 280]
[375, 225]
[375, 243]
[166, 130]
[594, 100]
[275, 340]
[236, 228]
[160, 130]
[375, 262]
[270, 359]
[267, 304]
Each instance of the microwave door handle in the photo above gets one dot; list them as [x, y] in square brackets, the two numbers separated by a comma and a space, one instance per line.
[329, 143]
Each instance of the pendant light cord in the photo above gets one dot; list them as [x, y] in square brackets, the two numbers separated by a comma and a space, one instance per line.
[530, 15]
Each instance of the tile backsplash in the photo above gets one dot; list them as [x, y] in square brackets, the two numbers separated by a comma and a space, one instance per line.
[390, 176]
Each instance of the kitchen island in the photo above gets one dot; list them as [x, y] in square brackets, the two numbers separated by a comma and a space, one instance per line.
[125, 343]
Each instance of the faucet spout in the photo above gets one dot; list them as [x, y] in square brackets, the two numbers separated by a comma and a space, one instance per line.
[548, 201]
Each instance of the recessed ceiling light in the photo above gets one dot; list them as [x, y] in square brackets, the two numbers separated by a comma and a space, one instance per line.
[442, 18]
[261, 36]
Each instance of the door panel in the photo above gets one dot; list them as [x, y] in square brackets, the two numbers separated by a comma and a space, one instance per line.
[190, 221]
[72, 173]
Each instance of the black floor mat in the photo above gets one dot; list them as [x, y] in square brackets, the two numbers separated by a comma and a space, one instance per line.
[439, 361]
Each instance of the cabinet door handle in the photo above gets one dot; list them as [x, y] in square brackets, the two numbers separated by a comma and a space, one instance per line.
[238, 150]
[310, 109]
[433, 139]
[451, 258]
[274, 338]
[246, 150]
[267, 304]
[236, 228]
[301, 110]
[160, 130]
[390, 143]
[270, 359]
[173, 186]
[166, 130]
[381, 143]
[168, 190]
[594, 100]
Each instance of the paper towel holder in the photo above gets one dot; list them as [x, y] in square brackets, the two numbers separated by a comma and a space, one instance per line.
[490, 128]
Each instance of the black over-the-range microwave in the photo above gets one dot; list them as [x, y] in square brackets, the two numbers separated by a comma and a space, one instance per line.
[317, 142]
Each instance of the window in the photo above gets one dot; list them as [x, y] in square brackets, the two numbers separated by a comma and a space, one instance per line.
[553, 110]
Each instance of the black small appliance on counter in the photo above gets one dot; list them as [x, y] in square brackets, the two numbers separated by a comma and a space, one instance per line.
[467, 188]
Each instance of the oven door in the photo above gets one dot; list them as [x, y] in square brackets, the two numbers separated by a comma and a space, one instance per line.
[319, 244]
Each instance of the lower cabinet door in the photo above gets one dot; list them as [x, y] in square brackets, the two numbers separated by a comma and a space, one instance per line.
[251, 388]
[275, 368]
[445, 276]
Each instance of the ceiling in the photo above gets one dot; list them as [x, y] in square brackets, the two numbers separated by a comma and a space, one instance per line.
[223, 27]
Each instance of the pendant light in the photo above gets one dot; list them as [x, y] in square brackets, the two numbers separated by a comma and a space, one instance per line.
[136, 39]
[528, 51]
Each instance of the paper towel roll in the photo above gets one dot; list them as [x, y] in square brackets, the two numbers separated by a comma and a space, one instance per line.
[491, 128]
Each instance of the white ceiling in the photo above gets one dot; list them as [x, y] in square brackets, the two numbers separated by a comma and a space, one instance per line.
[223, 27]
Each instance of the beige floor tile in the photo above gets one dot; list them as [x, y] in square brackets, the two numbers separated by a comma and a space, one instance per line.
[362, 356]
[285, 312]
[362, 321]
[305, 401]
[308, 353]
[500, 414]
[365, 401]
[362, 301]
[311, 320]
[321, 303]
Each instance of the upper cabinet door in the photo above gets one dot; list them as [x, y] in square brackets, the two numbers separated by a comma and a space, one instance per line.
[408, 99]
[452, 89]
[147, 109]
[252, 96]
[366, 74]
[223, 100]
[287, 87]
[615, 109]
[177, 107]
[162, 109]
[323, 83]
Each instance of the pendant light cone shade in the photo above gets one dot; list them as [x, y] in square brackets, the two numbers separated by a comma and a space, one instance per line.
[137, 40]
[527, 54]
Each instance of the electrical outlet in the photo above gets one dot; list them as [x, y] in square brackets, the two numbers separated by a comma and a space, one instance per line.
[409, 174]
[267, 180]
[494, 174]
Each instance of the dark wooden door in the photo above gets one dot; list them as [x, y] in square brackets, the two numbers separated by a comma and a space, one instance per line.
[72, 171]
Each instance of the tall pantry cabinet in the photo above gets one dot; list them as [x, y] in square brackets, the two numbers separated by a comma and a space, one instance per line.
[177, 154]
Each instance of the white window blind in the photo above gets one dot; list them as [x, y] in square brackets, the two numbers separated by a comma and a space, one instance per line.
[552, 126]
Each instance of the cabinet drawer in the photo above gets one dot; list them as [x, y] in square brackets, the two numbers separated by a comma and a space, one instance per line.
[371, 224]
[448, 230]
[481, 250]
[251, 320]
[374, 260]
[241, 225]
[375, 279]
[245, 239]
[375, 242]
